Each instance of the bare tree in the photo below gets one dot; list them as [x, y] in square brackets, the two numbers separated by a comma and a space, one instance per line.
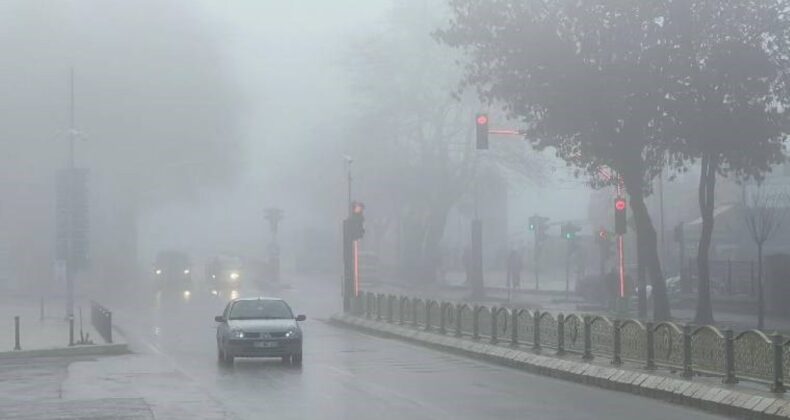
[764, 214]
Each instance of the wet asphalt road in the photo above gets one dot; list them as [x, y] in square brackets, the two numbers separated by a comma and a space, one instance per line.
[350, 375]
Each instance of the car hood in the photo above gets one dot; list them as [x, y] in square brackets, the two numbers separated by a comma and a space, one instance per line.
[262, 325]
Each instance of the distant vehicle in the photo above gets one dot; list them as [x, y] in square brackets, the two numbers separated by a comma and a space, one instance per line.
[225, 275]
[259, 327]
[173, 276]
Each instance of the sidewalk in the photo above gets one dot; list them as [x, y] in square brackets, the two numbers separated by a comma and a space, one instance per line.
[36, 333]
[142, 386]
[49, 336]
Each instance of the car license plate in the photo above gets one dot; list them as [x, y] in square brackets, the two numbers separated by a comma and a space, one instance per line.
[265, 344]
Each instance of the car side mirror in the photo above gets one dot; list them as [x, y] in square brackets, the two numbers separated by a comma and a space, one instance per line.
[300, 317]
[219, 318]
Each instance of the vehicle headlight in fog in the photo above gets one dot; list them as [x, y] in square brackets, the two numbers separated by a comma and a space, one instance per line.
[187, 294]
[213, 276]
[292, 334]
[237, 334]
[186, 271]
[214, 292]
[234, 276]
[158, 271]
[234, 294]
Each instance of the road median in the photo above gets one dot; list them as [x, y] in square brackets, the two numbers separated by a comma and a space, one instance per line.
[701, 393]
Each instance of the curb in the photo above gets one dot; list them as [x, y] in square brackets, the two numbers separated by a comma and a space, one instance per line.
[725, 400]
[81, 350]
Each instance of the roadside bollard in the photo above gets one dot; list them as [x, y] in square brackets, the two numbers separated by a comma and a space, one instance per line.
[41, 310]
[16, 334]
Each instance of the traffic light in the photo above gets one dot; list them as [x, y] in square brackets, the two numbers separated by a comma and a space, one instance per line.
[481, 125]
[620, 226]
[568, 231]
[356, 222]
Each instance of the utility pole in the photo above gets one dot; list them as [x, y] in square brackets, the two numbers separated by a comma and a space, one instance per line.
[71, 224]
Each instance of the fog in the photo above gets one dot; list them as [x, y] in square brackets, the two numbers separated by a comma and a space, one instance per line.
[192, 118]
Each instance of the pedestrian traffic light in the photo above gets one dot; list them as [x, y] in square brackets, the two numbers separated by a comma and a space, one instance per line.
[356, 222]
[481, 124]
[620, 226]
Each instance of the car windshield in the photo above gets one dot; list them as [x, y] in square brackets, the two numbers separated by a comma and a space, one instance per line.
[260, 309]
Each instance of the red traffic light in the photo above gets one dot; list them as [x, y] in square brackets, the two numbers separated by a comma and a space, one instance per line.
[358, 208]
[619, 204]
[482, 119]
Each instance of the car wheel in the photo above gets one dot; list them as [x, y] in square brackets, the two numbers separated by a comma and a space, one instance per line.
[228, 360]
[296, 359]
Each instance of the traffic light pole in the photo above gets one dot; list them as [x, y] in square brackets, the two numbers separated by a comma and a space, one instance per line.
[69, 263]
[348, 271]
[536, 251]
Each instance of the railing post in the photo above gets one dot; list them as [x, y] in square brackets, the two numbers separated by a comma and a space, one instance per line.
[778, 385]
[41, 309]
[428, 305]
[650, 357]
[494, 324]
[729, 277]
[536, 333]
[71, 330]
[458, 312]
[390, 309]
[17, 346]
[401, 312]
[688, 371]
[442, 320]
[587, 338]
[514, 327]
[379, 299]
[729, 358]
[616, 359]
[560, 334]
[414, 313]
[368, 304]
[475, 323]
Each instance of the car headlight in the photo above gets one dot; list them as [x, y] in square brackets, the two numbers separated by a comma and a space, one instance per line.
[234, 276]
[237, 334]
[187, 294]
[158, 272]
[214, 292]
[234, 294]
[292, 334]
[186, 271]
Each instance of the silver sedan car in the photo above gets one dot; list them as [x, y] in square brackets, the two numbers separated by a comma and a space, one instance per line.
[259, 327]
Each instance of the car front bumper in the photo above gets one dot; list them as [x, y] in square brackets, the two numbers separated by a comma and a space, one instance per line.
[249, 348]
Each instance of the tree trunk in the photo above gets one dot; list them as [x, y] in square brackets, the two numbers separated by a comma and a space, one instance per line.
[641, 278]
[431, 256]
[760, 294]
[707, 186]
[644, 229]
